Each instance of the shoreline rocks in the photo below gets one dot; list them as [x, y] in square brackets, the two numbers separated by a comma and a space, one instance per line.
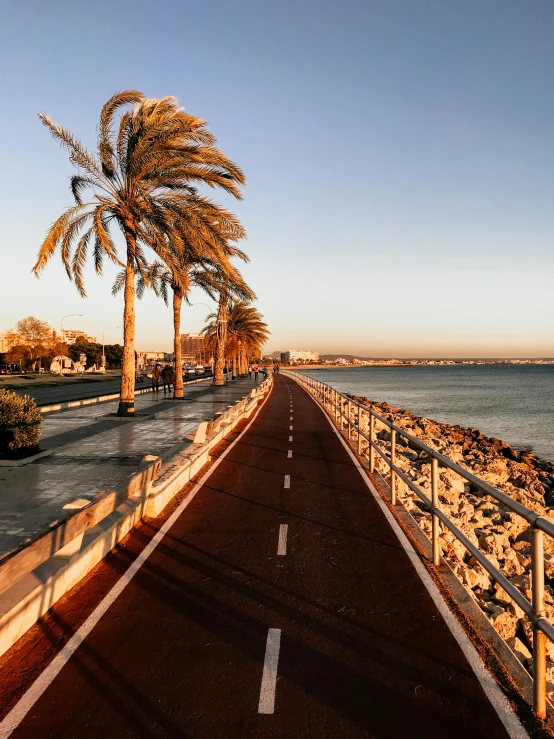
[502, 535]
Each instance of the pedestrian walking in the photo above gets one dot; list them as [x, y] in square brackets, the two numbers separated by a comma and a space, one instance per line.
[264, 372]
[256, 369]
[275, 369]
[250, 371]
[166, 378]
[156, 379]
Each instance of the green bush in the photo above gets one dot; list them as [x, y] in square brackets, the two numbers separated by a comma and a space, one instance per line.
[20, 421]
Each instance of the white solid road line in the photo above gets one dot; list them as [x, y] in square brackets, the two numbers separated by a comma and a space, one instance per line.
[493, 692]
[287, 481]
[269, 676]
[12, 720]
[289, 454]
[282, 545]
[290, 438]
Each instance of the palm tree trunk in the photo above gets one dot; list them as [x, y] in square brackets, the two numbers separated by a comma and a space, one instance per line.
[243, 368]
[178, 389]
[127, 392]
[234, 365]
[221, 339]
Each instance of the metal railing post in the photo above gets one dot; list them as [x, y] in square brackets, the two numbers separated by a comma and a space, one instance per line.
[539, 639]
[392, 462]
[359, 431]
[371, 442]
[435, 501]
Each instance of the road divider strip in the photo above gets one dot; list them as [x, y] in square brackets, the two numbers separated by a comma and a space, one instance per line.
[287, 481]
[67, 405]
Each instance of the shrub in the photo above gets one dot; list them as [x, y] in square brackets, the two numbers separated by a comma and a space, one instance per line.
[20, 421]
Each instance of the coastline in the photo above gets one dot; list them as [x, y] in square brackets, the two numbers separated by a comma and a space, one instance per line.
[502, 535]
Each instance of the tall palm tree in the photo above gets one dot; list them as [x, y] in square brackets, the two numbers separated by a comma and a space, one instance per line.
[186, 272]
[144, 179]
[247, 329]
[227, 290]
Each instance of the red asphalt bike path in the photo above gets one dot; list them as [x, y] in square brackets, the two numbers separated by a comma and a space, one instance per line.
[364, 652]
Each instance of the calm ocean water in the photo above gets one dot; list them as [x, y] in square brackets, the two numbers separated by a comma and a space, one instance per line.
[511, 402]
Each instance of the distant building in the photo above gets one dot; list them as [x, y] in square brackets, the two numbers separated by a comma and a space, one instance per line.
[296, 357]
[193, 347]
[146, 359]
[70, 336]
[8, 340]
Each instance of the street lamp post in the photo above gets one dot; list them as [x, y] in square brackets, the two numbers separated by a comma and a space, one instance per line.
[103, 346]
[69, 315]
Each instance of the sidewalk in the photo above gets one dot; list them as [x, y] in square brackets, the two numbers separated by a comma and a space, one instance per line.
[93, 451]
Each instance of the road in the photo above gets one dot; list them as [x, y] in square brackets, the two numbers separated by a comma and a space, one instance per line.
[79, 391]
[237, 627]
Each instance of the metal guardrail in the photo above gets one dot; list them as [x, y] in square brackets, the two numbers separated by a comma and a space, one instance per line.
[341, 408]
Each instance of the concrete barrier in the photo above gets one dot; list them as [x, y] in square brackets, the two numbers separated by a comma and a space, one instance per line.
[67, 405]
[34, 577]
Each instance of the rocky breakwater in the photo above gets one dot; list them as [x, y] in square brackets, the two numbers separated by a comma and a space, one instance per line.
[503, 536]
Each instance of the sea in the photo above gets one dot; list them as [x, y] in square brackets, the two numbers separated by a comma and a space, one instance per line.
[510, 402]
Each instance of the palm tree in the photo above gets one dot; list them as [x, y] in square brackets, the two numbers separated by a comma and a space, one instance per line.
[228, 289]
[186, 272]
[143, 179]
[249, 332]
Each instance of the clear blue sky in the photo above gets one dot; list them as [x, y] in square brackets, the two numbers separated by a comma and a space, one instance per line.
[399, 155]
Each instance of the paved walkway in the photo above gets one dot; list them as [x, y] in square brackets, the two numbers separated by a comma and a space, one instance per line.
[279, 604]
[94, 450]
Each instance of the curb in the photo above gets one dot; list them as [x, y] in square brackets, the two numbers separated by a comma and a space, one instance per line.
[26, 460]
[70, 404]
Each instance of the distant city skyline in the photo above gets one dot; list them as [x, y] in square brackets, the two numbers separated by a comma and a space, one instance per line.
[399, 159]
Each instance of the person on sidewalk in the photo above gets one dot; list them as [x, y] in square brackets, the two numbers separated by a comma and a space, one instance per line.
[156, 379]
[256, 370]
[250, 371]
[166, 378]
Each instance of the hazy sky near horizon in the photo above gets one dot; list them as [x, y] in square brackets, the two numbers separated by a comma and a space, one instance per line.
[399, 156]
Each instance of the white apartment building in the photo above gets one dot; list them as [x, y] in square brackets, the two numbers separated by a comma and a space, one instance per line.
[296, 356]
[9, 339]
[70, 336]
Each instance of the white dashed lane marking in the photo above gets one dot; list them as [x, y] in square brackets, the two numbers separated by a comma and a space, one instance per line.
[282, 545]
[269, 675]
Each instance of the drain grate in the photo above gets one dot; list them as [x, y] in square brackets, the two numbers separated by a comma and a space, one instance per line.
[122, 461]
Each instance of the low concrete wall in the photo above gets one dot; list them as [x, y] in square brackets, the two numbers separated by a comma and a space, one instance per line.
[37, 576]
[69, 404]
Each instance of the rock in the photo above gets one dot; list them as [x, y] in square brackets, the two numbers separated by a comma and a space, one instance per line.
[454, 550]
[520, 650]
[511, 565]
[476, 577]
[504, 622]
[492, 544]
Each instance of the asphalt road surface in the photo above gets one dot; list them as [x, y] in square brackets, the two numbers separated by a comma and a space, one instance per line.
[79, 391]
[280, 604]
